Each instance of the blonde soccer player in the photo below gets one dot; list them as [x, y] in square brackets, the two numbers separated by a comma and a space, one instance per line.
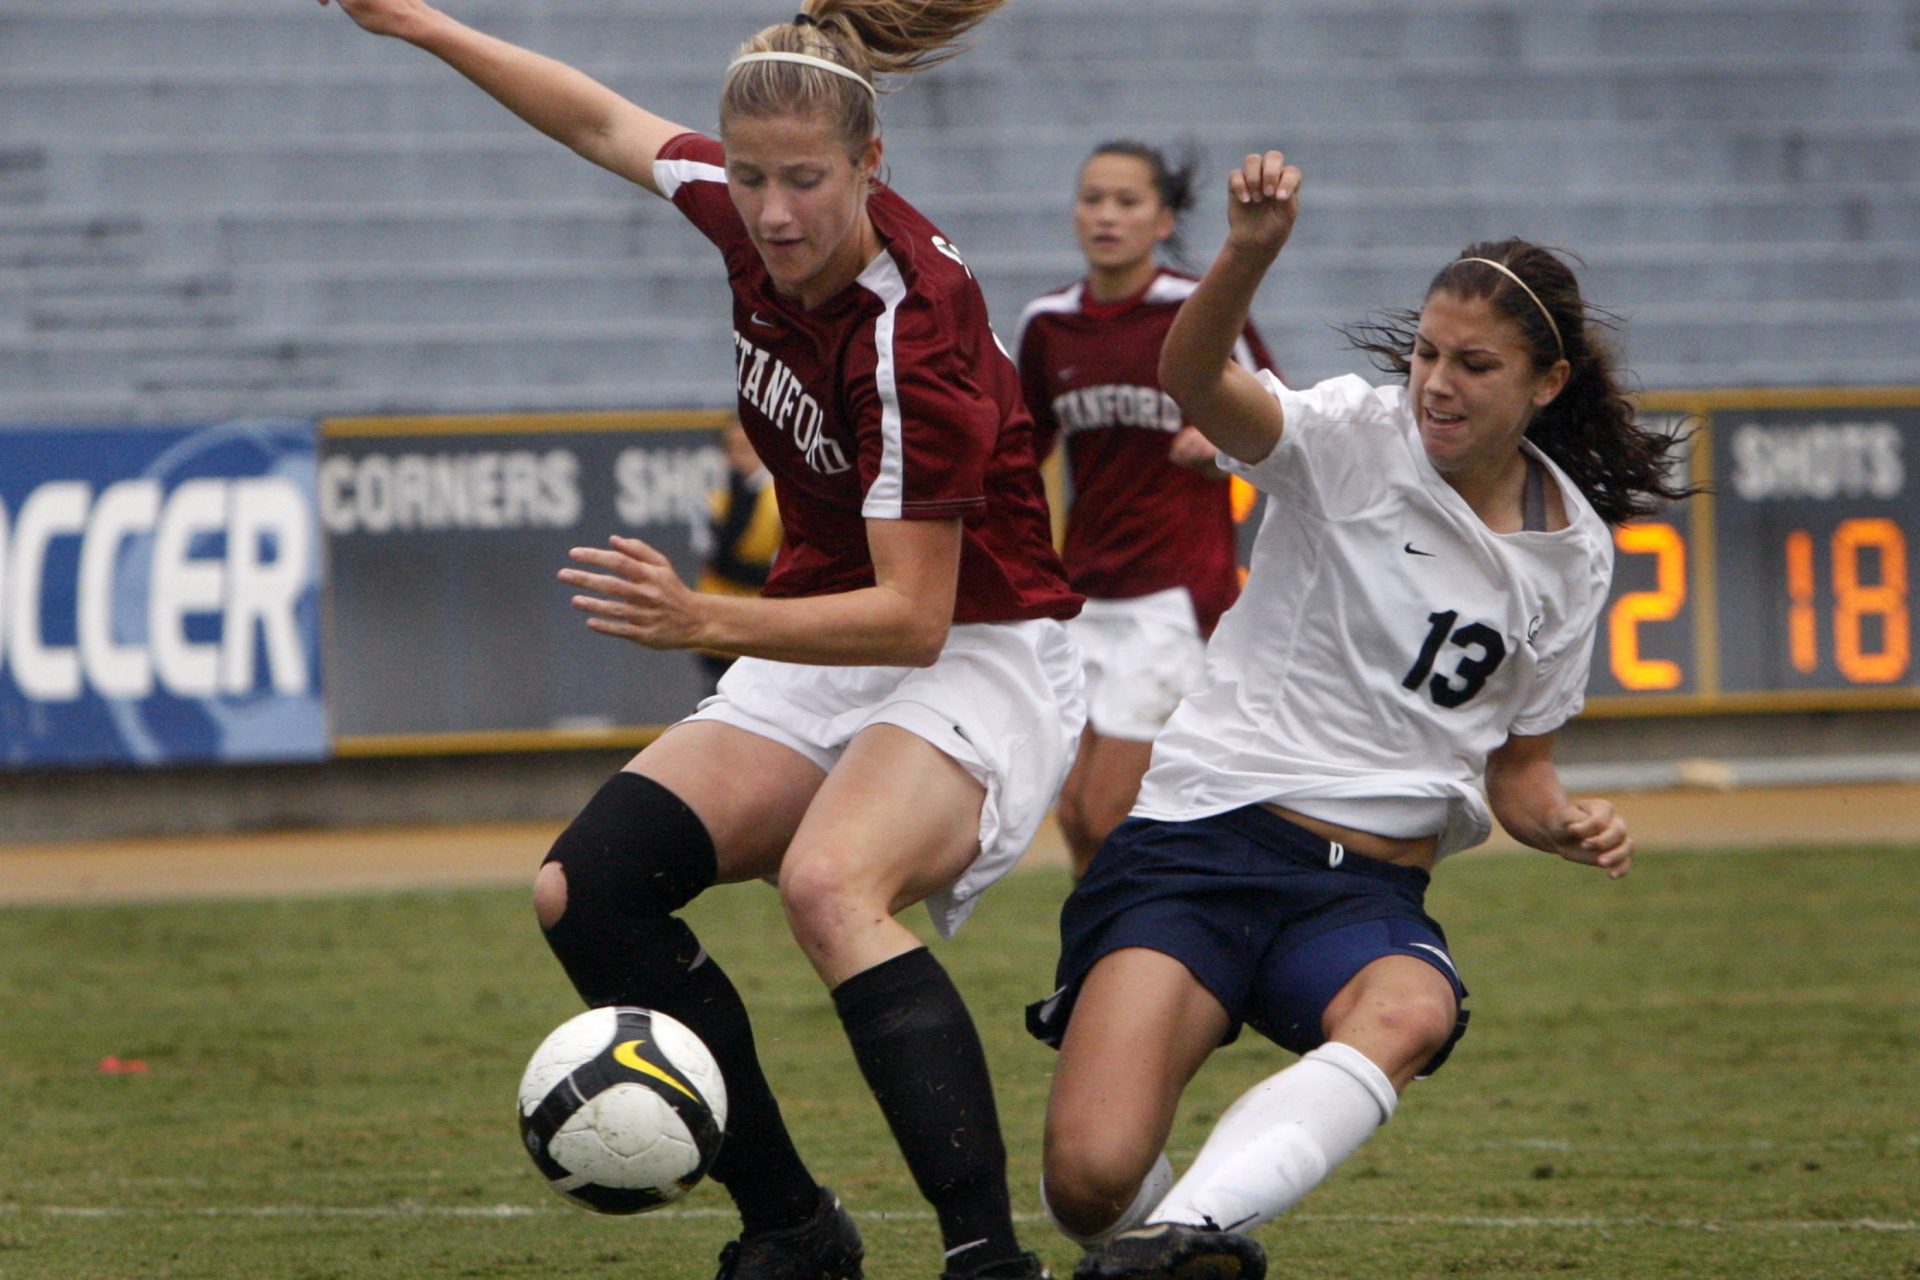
[906, 700]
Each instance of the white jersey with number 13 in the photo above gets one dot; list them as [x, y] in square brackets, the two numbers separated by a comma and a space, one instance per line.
[1386, 640]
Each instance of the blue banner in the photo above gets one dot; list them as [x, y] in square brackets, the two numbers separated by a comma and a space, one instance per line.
[159, 595]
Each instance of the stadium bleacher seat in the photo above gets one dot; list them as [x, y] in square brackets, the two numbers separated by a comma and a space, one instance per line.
[209, 209]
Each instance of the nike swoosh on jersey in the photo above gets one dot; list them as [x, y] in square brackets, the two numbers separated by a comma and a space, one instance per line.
[1415, 551]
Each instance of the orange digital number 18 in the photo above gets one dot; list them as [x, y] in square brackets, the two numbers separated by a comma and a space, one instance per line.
[1853, 601]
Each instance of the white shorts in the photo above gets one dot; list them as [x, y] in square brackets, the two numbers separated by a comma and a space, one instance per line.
[1003, 700]
[1142, 655]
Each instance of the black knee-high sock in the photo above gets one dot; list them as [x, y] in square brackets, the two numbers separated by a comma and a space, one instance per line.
[757, 1164]
[632, 856]
[917, 1047]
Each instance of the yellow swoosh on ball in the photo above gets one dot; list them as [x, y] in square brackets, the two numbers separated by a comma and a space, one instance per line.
[627, 1054]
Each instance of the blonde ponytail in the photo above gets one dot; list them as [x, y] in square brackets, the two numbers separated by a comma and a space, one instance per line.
[869, 38]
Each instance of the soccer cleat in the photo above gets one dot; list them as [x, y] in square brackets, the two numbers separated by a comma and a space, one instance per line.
[824, 1247]
[1174, 1251]
[1025, 1266]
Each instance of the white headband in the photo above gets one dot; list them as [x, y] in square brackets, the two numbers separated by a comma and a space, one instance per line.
[807, 60]
[1507, 271]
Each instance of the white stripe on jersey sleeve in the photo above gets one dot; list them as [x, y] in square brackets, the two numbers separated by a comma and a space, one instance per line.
[1063, 302]
[888, 491]
[1172, 288]
[669, 175]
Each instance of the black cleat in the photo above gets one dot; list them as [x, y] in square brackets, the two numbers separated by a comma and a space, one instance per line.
[1175, 1251]
[824, 1247]
[1025, 1266]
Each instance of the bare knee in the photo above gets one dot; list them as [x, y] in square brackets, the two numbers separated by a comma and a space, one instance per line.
[1423, 1024]
[1090, 1179]
[823, 904]
[550, 894]
[1399, 1011]
[1401, 1034]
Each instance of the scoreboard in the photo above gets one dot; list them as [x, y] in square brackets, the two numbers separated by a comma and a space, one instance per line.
[1784, 586]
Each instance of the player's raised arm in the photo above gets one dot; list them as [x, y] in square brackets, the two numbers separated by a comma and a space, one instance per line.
[567, 105]
[1227, 403]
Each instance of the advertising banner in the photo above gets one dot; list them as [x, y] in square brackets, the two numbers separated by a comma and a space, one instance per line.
[159, 595]
[448, 629]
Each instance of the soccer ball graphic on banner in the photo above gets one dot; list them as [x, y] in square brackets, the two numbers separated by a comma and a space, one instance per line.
[622, 1109]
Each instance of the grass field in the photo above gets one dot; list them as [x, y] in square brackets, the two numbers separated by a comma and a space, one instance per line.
[1711, 1069]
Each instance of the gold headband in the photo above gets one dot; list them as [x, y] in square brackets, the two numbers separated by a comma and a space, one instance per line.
[1507, 271]
[807, 60]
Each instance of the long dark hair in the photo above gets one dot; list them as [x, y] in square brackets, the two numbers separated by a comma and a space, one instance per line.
[1170, 175]
[1590, 429]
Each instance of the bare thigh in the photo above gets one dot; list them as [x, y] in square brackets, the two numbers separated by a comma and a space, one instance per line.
[1100, 791]
[896, 820]
[1141, 1028]
[750, 792]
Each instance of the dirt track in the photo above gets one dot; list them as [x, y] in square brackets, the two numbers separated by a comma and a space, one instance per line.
[331, 861]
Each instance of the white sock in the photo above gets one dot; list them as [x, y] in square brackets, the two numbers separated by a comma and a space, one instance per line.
[1152, 1188]
[1280, 1139]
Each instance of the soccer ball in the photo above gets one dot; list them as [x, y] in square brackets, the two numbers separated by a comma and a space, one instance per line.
[622, 1109]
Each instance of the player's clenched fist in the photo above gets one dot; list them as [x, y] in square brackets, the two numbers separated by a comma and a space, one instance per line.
[1594, 833]
[382, 17]
[1263, 201]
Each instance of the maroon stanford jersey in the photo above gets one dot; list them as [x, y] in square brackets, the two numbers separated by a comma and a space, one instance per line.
[1139, 522]
[892, 401]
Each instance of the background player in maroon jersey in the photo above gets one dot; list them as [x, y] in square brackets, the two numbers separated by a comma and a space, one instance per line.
[907, 700]
[1150, 537]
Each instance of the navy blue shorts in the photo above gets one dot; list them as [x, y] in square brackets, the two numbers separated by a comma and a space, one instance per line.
[1272, 919]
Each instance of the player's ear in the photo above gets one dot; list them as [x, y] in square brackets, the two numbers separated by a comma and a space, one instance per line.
[1551, 383]
[869, 162]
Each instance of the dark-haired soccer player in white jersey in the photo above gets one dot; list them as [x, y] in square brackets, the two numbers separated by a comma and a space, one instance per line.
[1421, 607]
[907, 700]
[1150, 535]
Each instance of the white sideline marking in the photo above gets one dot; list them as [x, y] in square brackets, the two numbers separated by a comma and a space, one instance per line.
[1594, 1222]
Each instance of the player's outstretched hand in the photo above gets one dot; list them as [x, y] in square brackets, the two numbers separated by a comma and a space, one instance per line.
[637, 595]
[1594, 833]
[382, 17]
[1263, 199]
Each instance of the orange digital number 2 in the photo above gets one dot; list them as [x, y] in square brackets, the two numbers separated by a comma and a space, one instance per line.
[1662, 604]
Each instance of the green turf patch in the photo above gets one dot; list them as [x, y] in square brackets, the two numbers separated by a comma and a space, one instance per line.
[1706, 1070]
